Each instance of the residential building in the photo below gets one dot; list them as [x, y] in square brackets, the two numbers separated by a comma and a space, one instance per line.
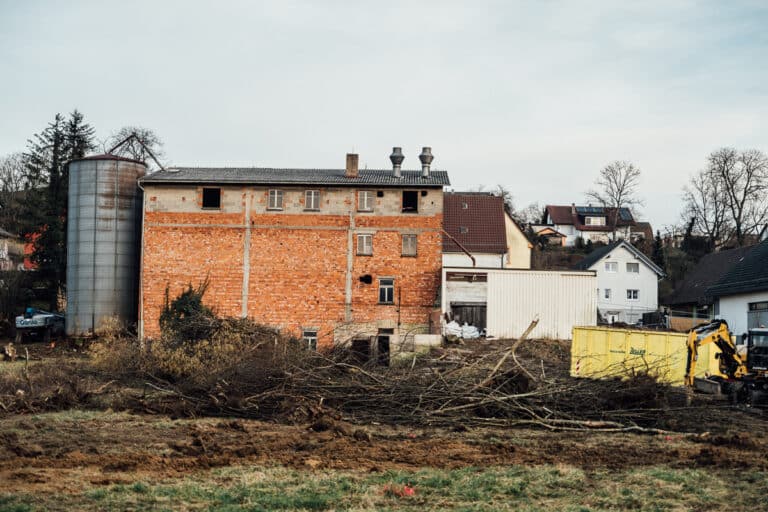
[627, 282]
[480, 233]
[690, 304]
[328, 255]
[11, 251]
[594, 223]
[741, 294]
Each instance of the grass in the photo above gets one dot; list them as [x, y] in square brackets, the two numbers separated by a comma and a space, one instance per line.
[469, 489]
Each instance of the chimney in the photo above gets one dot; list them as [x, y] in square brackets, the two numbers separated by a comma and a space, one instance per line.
[352, 159]
[426, 160]
[397, 160]
[573, 208]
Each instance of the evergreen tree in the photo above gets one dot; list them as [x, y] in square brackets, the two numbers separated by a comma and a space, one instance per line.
[46, 209]
[658, 252]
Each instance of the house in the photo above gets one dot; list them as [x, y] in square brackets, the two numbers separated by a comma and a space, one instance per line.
[549, 234]
[741, 294]
[690, 304]
[595, 223]
[327, 255]
[480, 233]
[627, 281]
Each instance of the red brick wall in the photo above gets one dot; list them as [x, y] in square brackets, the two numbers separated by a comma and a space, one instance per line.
[297, 274]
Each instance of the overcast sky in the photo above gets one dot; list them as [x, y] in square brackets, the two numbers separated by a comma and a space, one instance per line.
[536, 96]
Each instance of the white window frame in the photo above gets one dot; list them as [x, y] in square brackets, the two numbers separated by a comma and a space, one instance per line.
[309, 337]
[365, 200]
[612, 266]
[607, 293]
[633, 294]
[365, 244]
[312, 200]
[387, 285]
[636, 265]
[275, 199]
[410, 243]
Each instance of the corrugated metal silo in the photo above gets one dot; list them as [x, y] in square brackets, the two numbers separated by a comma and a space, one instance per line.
[103, 235]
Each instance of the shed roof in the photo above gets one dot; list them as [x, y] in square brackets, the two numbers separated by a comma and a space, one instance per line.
[749, 274]
[476, 220]
[272, 176]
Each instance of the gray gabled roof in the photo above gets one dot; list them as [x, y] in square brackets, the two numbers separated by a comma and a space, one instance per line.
[320, 177]
[598, 254]
[708, 272]
[750, 274]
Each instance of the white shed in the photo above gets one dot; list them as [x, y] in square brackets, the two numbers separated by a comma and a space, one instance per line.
[505, 301]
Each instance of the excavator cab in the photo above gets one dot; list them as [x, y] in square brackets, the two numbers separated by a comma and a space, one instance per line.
[757, 350]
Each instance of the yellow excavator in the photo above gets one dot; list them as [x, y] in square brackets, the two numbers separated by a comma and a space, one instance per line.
[743, 378]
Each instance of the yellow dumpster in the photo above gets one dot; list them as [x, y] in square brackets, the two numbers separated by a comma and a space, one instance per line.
[598, 352]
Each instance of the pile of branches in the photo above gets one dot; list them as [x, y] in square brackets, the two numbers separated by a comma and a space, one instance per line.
[285, 382]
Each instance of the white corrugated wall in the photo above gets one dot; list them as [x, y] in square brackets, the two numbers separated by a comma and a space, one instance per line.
[561, 300]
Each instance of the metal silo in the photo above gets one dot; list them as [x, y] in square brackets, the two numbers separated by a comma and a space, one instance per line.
[103, 235]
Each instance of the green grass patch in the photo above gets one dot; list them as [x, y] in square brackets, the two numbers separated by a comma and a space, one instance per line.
[471, 489]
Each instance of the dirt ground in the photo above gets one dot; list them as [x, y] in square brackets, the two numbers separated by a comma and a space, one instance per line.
[63, 452]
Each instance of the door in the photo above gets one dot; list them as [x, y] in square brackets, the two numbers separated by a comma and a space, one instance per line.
[470, 313]
[382, 350]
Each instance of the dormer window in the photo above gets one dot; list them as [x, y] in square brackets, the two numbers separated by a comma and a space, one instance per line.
[594, 221]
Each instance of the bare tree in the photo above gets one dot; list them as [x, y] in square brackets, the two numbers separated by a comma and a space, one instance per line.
[13, 181]
[743, 176]
[617, 188]
[705, 202]
[132, 149]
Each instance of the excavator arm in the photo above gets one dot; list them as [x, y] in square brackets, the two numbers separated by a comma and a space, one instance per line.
[715, 332]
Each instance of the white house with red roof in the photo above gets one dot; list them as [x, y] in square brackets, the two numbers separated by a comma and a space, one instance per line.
[595, 223]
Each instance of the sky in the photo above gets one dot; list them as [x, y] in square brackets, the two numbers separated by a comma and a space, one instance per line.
[535, 96]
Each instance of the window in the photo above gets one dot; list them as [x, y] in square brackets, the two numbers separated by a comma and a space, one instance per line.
[611, 266]
[409, 245]
[633, 268]
[212, 198]
[275, 200]
[365, 201]
[386, 291]
[410, 201]
[463, 230]
[365, 244]
[633, 294]
[594, 221]
[312, 200]
[309, 337]
[607, 293]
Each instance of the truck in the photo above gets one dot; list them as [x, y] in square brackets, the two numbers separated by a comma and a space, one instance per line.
[36, 323]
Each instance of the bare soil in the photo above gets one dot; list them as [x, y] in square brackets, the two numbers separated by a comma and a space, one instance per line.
[62, 452]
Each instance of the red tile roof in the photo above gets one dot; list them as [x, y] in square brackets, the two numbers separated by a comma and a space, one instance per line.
[565, 215]
[476, 220]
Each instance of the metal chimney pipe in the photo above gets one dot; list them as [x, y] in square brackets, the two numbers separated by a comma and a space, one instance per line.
[426, 160]
[396, 158]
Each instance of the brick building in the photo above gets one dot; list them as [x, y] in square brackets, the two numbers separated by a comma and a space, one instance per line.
[328, 255]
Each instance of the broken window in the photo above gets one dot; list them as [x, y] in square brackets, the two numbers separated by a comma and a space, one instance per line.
[275, 200]
[312, 200]
[365, 244]
[211, 197]
[386, 291]
[365, 201]
[309, 337]
[409, 245]
[410, 201]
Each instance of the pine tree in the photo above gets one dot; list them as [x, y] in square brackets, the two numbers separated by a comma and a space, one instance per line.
[46, 209]
[658, 252]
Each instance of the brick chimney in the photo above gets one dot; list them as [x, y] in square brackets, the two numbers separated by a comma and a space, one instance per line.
[352, 159]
